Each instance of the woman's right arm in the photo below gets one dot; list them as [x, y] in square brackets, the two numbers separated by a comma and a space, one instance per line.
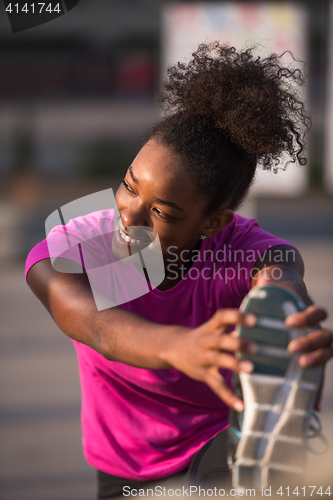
[123, 336]
[114, 333]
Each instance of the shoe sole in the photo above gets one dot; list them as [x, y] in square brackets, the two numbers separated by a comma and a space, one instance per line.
[278, 395]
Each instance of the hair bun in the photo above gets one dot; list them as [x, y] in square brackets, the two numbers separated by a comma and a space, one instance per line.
[252, 100]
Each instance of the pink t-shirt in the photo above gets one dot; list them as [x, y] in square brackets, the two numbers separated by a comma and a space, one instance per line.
[147, 424]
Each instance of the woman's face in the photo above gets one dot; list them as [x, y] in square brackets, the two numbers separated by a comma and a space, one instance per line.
[157, 192]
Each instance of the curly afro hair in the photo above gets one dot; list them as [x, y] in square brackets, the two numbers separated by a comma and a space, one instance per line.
[226, 112]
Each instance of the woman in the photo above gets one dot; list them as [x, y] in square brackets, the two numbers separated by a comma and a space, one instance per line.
[156, 371]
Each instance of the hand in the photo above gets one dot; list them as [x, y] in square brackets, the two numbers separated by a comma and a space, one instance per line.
[317, 344]
[201, 352]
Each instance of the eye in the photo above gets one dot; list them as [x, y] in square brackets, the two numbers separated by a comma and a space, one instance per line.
[127, 186]
[162, 215]
[158, 213]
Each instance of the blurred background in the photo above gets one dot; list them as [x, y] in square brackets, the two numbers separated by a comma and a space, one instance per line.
[76, 97]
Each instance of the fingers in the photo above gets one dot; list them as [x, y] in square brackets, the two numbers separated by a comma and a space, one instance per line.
[318, 357]
[224, 342]
[232, 343]
[225, 317]
[310, 317]
[216, 382]
[312, 341]
[226, 361]
[215, 336]
[317, 344]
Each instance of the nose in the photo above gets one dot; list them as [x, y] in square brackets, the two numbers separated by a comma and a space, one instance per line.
[135, 214]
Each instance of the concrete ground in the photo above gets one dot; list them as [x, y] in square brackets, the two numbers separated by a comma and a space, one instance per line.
[40, 453]
[40, 436]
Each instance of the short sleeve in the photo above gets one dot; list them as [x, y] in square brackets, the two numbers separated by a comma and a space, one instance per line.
[243, 244]
[84, 240]
[87, 242]
[39, 252]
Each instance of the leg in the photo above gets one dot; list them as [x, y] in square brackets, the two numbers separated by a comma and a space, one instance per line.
[209, 466]
[113, 486]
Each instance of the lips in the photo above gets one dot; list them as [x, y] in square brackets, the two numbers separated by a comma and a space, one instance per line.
[135, 235]
[127, 238]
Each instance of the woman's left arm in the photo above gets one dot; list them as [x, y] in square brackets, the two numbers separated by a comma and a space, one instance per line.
[283, 266]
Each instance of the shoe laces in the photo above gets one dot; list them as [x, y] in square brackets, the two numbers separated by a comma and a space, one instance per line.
[315, 431]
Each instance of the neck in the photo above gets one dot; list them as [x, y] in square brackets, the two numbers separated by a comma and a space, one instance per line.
[176, 270]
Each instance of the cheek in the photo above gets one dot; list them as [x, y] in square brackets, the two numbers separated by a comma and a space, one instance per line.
[120, 198]
[175, 236]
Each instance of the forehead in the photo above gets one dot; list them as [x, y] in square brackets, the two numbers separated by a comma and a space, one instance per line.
[158, 168]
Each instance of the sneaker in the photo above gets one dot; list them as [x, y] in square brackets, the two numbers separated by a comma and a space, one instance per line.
[269, 440]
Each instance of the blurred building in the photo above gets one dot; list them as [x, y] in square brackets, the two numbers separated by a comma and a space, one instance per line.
[77, 95]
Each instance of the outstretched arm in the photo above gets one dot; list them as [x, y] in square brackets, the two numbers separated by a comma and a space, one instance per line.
[126, 337]
[199, 353]
[115, 333]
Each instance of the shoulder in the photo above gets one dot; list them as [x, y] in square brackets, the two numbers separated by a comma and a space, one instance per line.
[92, 232]
[243, 233]
[89, 225]
[238, 249]
[78, 229]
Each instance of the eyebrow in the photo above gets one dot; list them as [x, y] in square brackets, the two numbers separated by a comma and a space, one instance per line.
[130, 169]
[170, 204]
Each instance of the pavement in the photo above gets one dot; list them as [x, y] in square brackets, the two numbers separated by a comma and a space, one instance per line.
[40, 454]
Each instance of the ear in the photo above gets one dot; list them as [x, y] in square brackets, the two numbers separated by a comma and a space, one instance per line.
[217, 221]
